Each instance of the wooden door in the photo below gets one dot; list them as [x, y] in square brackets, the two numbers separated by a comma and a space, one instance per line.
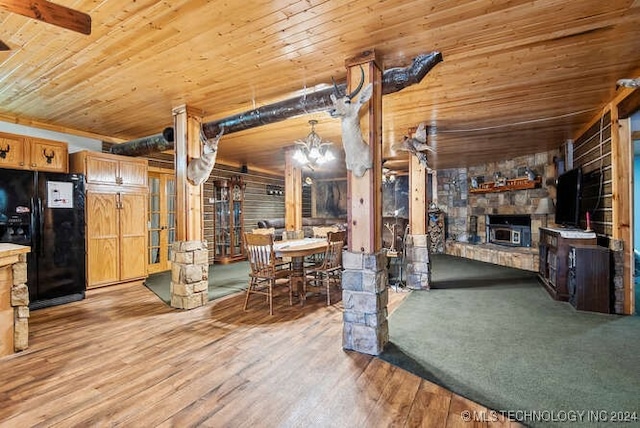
[13, 152]
[49, 156]
[133, 173]
[133, 235]
[103, 256]
[162, 218]
[101, 170]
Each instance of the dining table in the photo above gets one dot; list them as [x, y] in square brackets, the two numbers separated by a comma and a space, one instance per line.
[297, 250]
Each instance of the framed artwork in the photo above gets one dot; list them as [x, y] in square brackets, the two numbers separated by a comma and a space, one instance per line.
[395, 197]
[330, 199]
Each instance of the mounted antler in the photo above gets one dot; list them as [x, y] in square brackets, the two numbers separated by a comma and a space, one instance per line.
[3, 152]
[357, 153]
[200, 168]
[48, 156]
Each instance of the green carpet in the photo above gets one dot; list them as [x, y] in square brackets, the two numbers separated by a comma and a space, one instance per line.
[493, 334]
[223, 280]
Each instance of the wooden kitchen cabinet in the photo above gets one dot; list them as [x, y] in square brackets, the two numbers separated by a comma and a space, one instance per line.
[116, 237]
[105, 168]
[116, 216]
[36, 154]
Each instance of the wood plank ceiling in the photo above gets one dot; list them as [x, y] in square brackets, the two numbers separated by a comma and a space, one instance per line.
[517, 77]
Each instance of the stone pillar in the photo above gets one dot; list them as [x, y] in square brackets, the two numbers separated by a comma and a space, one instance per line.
[189, 274]
[365, 296]
[418, 275]
[617, 250]
[20, 303]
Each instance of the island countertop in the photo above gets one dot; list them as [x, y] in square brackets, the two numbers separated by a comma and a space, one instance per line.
[7, 250]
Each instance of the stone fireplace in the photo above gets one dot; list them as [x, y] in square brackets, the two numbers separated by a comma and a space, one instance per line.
[469, 214]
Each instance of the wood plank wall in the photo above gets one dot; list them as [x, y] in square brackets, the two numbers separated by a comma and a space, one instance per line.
[592, 151]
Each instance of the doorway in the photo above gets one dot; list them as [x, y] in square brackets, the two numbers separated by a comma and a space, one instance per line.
[162, 219]
[635, 140]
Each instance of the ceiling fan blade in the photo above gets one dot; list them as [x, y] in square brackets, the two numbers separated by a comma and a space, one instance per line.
[50, 13]
[4, 47]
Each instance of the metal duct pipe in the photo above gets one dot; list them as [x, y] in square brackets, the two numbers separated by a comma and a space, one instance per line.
[393, 80]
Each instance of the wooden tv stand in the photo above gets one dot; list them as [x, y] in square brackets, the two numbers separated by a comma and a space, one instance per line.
[555, 244]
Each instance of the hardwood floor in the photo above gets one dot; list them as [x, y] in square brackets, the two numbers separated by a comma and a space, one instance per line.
[121, 357]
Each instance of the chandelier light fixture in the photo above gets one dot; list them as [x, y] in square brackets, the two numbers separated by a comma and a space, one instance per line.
[388, 176]
[312, 151]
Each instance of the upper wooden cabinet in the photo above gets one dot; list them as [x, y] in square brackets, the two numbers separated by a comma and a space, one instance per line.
[105, 168]
[37, 154]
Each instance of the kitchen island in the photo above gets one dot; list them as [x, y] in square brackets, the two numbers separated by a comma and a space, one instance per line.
[14, 299]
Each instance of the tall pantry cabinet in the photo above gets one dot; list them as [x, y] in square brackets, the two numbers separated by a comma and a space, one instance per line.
[116, 216]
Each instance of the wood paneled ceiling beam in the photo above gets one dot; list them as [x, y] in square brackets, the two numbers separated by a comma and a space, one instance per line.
[393, 80]
[50, 13]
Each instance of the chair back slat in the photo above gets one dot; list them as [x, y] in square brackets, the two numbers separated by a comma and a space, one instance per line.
[323, 231]
[333, 254]
[260, 253]
[264, 231]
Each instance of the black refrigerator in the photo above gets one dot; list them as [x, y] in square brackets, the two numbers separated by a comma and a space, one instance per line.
[45, 211]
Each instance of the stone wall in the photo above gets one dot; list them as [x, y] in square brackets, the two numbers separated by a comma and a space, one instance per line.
[515, 257]
[20, 302]
[454, 197]
[459, 205]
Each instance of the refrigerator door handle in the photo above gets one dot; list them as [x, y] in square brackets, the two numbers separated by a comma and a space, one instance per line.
[35, 236]
[40, 227]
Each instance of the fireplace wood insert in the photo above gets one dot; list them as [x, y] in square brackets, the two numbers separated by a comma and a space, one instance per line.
[509, 230]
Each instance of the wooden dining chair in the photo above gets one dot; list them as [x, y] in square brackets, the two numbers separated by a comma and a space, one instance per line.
[264, 231]
[265, 272]
[328, 271]
[288, 235]
[323, 231]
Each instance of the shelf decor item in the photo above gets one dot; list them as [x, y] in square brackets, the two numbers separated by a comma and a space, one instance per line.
[505, 185]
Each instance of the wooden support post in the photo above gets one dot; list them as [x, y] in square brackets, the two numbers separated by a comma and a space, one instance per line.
[417, 197]
[365, 193]
[622, 194]
[364, 279]
[292, 192]
[189, 203]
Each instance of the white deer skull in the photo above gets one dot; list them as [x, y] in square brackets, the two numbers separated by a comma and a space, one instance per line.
[200, 168]
[357, 153]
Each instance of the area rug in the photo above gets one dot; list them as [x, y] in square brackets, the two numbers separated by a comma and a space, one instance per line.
[223, 280]
[494, 335]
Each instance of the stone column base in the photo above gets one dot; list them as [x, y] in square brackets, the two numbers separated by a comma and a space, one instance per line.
[20, 303]
[365, 296]
[189, 274]
[418, 263]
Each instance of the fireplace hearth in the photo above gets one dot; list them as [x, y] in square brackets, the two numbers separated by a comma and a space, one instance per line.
[510, 230]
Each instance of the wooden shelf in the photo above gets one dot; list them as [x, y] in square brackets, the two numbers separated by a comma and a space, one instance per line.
[522, 183]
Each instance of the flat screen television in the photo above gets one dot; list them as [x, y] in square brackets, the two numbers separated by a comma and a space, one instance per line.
[568, 197]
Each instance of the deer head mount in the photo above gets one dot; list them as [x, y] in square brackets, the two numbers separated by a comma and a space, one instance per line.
[357, 154]
[199, 169]
[49, 156]
[3, 152]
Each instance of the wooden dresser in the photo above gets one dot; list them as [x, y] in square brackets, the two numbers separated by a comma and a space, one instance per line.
[116, 216]
[554, 257]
